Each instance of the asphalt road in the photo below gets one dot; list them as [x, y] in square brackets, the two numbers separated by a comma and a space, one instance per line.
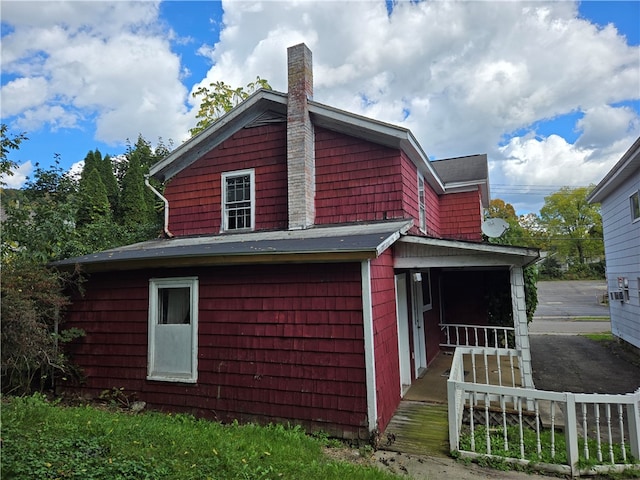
[567, 299]
[570, 308]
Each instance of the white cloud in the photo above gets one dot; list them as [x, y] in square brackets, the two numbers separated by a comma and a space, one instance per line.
[467, 73]
[602, 123]
[105, 61]
[19, 176]
[22, 94]
[463, 76]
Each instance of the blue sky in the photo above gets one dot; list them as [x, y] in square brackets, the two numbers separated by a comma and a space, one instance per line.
[549, 90]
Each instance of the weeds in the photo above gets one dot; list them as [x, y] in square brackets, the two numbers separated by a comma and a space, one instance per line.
[559, 456]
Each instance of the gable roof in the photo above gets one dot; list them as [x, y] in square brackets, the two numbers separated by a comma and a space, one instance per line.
[621, 171]
[461, 173]
[354, 242]
[270, 106]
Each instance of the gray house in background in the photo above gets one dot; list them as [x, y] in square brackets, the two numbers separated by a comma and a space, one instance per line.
[619, 196]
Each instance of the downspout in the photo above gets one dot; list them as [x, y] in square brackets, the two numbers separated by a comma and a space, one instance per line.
[165, 229]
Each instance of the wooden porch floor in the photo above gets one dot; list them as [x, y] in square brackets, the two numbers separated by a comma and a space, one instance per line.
[420, 425]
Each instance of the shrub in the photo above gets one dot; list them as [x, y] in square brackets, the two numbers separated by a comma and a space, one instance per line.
[32, 300]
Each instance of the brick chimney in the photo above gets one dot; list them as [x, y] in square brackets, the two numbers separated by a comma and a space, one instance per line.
[301, 168]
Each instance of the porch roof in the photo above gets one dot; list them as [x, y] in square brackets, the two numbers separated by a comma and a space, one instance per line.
[425, 252]
[354, 242]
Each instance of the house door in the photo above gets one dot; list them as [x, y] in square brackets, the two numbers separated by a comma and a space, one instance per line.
[419, 340]
[402, 316]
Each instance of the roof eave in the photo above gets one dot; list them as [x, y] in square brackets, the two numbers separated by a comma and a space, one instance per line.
[473, 185]
[521, 256]
[221, 130]
[629, 162]
[222, 260]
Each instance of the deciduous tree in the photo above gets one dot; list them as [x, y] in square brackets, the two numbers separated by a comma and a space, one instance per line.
[573, 225]
[8, 143]
[219, 98]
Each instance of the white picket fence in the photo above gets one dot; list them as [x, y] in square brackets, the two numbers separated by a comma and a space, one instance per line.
[498, 417]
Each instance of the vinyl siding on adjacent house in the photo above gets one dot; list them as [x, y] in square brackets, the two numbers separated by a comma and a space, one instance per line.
[622, 251]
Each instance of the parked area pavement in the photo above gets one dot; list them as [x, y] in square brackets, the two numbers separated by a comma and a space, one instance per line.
[574, 363]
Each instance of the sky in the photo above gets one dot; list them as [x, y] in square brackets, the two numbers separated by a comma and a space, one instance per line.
[550, 91]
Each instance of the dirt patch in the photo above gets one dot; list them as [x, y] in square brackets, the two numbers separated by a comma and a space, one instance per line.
[423, 467]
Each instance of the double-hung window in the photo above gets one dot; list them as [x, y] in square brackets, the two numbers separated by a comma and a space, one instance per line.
[173, 329]
[422, 209]
[238, 200]
[634, 201]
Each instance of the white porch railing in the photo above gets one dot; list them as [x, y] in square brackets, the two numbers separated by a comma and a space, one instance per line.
[531, 426]
[456, 334]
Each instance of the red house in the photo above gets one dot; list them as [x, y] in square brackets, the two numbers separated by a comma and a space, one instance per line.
[314, 263]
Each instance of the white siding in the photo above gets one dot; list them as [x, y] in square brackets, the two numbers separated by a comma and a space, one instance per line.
[622, 251]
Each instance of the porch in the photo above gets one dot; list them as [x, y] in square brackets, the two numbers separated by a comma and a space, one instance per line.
[420, 425]
[485, 409]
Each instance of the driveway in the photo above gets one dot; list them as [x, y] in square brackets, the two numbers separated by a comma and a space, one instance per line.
[564, 360]
[574, 363]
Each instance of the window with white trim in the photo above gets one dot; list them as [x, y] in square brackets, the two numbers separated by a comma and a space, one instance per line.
[427, 302]
[173, 329]
[422, 208]
[238, 200]
[634, 203]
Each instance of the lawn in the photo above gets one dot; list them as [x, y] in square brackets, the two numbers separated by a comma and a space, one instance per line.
[44, 440]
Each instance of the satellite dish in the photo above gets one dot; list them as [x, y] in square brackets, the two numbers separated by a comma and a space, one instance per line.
[494, 227]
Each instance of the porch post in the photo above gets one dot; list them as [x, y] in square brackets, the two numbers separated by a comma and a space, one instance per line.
[369, 354]
[520, 325]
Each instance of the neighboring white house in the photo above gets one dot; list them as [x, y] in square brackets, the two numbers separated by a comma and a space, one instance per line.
[619, 196]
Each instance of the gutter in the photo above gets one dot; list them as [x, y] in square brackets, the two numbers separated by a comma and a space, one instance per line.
[165, 229]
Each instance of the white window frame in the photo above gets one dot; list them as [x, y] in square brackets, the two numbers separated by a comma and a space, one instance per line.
[422, 204]
[426, 282]
[225, 216]
[634, 198]
[155, 284]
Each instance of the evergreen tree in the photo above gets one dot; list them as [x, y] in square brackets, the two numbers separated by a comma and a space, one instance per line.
[93, 203]
[110, 183]
[145, 156]
[135, 210]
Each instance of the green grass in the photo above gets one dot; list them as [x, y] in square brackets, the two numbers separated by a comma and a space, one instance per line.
[591, 319]
[48, 441]
[599, 337]
[496, 439]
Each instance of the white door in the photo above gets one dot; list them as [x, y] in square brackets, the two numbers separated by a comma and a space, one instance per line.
[402, 316]
[419, 340]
